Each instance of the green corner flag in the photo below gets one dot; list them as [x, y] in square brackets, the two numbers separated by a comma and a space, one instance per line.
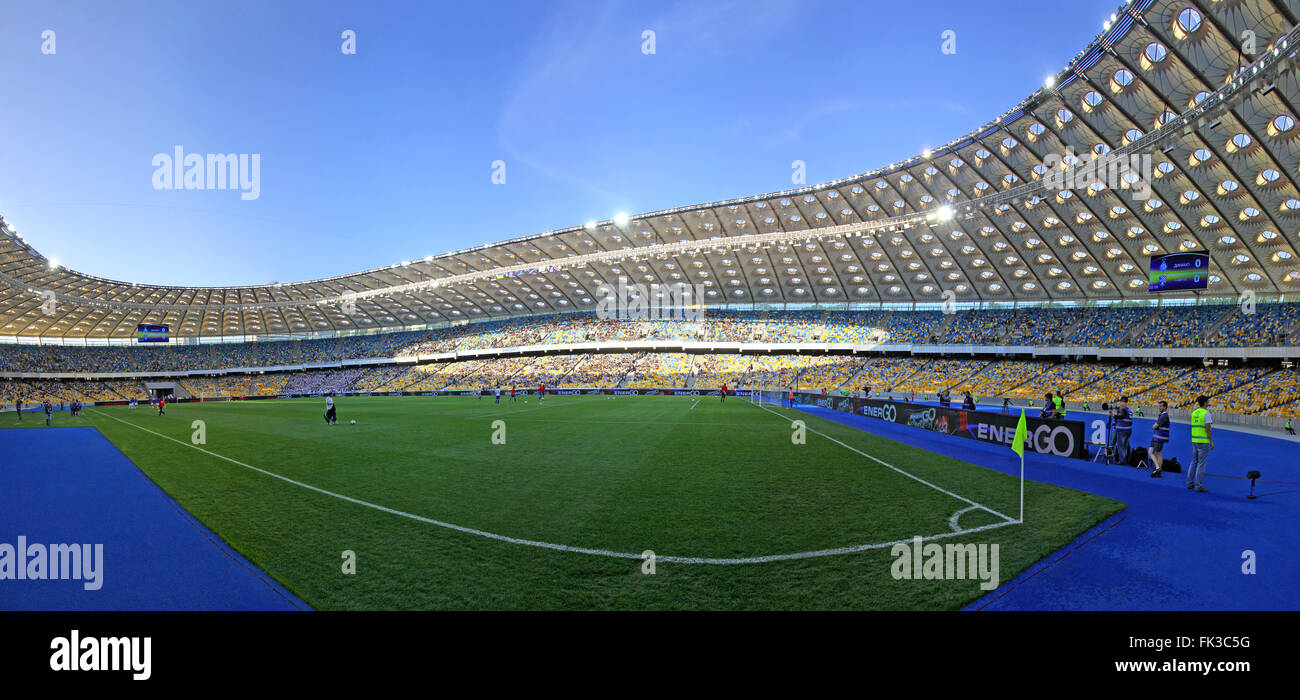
[1022, 432]
[1018, 444]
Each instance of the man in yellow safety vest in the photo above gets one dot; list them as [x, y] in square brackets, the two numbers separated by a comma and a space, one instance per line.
[1202, 443]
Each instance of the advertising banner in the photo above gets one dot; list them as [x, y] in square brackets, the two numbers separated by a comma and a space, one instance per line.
[1063, 438]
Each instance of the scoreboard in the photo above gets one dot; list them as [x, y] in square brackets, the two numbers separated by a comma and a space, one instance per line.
[152, 333]
[1179, 271]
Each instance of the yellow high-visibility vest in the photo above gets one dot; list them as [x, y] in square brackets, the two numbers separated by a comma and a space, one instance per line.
[1198, 426]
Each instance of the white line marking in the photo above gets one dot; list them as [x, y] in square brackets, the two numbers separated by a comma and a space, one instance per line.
[692, 408]
[952, 522]
[719, 561]
[883, 463]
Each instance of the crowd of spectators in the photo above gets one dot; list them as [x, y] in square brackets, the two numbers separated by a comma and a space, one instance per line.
[1141, 326]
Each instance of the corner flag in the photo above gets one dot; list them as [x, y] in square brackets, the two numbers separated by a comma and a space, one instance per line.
[1018, 444]
[1022, 432]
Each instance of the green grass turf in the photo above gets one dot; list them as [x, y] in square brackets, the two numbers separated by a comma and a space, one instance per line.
[676, 475]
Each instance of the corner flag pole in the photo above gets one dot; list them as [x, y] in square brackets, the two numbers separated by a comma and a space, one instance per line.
[1018, 445]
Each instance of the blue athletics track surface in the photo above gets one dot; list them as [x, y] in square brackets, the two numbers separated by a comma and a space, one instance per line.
[1171, 549]
[71, 485]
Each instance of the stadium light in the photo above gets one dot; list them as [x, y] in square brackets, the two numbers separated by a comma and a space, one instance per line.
[945, 213]
[54, 264]
[620, 219]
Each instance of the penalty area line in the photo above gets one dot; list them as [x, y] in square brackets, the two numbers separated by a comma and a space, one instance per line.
[718, 561]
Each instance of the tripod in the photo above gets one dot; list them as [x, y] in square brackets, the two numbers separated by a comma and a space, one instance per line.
[1107, 451]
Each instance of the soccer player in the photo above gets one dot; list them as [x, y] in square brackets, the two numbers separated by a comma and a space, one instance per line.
[1123, 430]
[161, 402]
[49, 413]
[1202, 443]
[541, 392]
[498, 396]
[512, 394]
[1159, 436]
[724, 393]
[19, 405]
[331, 417]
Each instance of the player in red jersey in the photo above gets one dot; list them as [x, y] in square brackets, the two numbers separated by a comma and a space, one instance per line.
[512, 393]
[161, 402]
[541, 392]
[724, 393]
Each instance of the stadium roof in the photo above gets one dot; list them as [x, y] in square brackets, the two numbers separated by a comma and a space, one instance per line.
[994, 215]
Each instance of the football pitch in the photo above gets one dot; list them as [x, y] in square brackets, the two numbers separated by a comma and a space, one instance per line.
[459, 503]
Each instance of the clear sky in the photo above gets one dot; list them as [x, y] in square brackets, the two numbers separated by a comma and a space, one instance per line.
[387, 154]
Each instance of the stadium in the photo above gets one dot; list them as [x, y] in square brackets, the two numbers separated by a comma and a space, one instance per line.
[801, 399]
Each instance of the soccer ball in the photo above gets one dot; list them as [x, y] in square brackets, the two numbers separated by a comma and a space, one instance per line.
[353, 421]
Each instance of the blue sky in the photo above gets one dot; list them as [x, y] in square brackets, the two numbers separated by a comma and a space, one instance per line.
[386, 155]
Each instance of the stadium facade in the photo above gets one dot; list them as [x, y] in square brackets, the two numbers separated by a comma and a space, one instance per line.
[1174, 131]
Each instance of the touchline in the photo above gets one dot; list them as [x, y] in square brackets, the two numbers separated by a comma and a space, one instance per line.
[40, 562]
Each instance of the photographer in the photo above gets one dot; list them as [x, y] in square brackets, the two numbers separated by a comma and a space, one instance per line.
[1159, 436]
[1049, 408]
[1123, 430]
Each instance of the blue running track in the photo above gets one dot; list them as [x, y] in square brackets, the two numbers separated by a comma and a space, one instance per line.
[1171, 549]
[71, 485]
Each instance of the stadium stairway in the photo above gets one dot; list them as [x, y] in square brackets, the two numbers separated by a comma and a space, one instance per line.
[71, 485]
[1127, 339]
[1170, 549]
